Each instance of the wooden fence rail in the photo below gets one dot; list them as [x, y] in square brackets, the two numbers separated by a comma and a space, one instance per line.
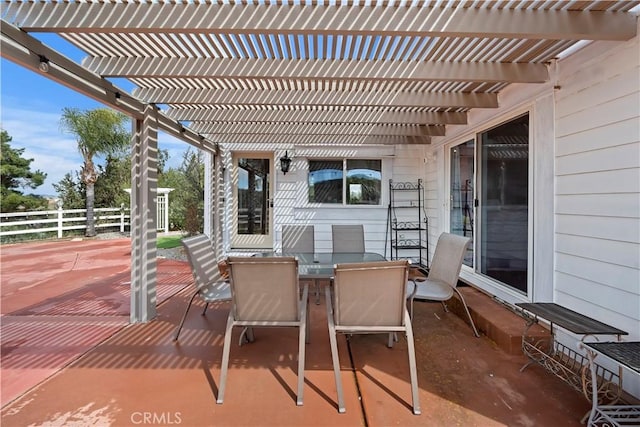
[61, 220]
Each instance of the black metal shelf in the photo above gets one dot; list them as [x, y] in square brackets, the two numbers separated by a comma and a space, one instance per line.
[408, 239]
[409, 247]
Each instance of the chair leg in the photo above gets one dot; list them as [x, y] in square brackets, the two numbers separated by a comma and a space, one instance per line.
[225, 358]
[411, 297]
[393, 337]
[317, 282]
[246, 336]
[473, 325]
[334, 351]
[302, 342]
[444, 305]
[184, 316]
[413, 372]
[308, 324]
[206, 305]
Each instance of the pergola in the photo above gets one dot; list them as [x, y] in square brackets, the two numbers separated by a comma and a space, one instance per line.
[340, 72]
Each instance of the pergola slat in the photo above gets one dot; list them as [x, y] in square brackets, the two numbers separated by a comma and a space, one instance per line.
[220, 129]
[300, 97]
[272, 140]
[315, 69]
[316, 116]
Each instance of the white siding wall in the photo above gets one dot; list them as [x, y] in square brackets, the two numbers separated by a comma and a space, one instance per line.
[585, 152]
[401, 163]
[597, 255]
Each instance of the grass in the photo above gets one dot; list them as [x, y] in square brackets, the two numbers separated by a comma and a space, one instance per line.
[168, 242]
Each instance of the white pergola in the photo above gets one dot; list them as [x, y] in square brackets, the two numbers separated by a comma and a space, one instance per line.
[340, 72]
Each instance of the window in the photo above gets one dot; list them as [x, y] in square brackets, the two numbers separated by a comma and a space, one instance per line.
[356, 181]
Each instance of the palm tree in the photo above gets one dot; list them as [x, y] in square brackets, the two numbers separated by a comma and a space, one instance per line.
[98, 132]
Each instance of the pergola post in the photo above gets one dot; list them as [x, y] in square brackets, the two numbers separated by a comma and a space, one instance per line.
[212, 187]
[209, 195]
[144, 182]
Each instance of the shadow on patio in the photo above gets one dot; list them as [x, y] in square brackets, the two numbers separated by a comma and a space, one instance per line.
[135, 374]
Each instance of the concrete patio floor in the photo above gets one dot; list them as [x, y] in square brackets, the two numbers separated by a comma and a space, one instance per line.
[69, 357]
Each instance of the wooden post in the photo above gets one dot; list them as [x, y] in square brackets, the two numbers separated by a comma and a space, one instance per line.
[143, 216]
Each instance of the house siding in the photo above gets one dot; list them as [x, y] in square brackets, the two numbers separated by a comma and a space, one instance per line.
[400, 163]
[597, 191]
[585, 192]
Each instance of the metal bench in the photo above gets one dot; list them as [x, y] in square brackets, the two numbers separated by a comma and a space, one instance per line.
[627, 355]
[562, 361]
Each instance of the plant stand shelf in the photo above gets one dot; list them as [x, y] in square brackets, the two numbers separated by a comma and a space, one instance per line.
[560, 360]
[625, 354]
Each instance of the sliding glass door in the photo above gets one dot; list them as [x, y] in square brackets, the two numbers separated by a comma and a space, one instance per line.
[491, 206]
[462, 197]
[504, 202]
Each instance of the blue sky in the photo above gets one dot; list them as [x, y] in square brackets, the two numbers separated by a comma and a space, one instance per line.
[30, 110]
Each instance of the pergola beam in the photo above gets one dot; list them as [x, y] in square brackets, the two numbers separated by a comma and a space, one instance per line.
[222, 129]
[316, 115]
[324, 140]
[425, 20]
[21, 48]
[371, 70]
[317, 97]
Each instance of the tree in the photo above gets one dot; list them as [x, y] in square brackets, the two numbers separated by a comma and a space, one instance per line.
[186, 203]
[98, 132]
[112, 179]
[71, 191]
[15, 173]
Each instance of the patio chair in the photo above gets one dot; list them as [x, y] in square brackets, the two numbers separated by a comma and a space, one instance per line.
[370, 298]
[348, 238]
[300, 239]
[442, 280]
[265, 293]
[210, 277]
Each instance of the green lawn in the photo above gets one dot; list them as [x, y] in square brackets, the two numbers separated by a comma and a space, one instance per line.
[168, 242]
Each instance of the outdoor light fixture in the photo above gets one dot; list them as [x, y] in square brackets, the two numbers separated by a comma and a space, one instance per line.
[44, 64]
[285, 163]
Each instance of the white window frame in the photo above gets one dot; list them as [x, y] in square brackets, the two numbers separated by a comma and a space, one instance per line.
[469, 274]
[344, 203]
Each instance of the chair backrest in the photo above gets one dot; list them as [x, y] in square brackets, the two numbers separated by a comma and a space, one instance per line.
[298, 238]
[348, 238]
[202, 258]
[264, 288]
[370, 294]
[447, 259]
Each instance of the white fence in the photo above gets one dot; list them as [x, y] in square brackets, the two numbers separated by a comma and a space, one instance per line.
[61, 220]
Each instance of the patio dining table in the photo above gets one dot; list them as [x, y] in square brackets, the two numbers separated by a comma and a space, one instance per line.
[319, 265]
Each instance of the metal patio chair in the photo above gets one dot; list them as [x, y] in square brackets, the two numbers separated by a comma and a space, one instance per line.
[210, 278]
[300, 239]
[442, 280]
[265, 293]
[370, 298]
[348, 238]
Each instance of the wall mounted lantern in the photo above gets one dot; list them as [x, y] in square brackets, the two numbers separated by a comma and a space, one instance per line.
[285, 163]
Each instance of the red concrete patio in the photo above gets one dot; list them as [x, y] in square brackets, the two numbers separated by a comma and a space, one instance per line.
[69, 357]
